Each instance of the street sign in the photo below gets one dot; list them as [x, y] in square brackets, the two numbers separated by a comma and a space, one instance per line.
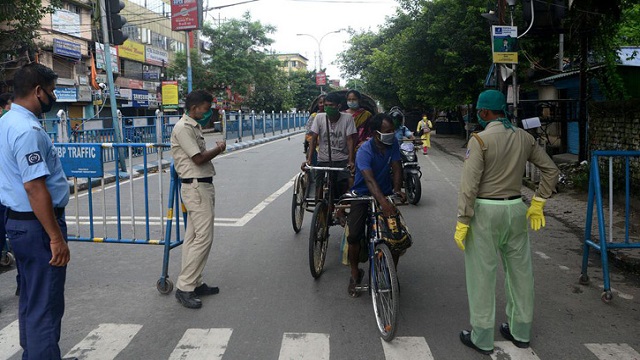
[81, 160]
[504, 42]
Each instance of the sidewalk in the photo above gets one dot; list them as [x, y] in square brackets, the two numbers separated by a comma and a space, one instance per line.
[568, 207]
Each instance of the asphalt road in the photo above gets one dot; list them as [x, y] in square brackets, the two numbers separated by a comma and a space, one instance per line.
[271, 308]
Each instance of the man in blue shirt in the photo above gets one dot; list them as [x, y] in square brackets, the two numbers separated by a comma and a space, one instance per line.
[35, 191]
[375, 160]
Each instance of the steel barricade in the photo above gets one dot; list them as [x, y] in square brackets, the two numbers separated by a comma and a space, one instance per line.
[603, 244]
[87, 216]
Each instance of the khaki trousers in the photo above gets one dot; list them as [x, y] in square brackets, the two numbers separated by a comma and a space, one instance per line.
[200, 201]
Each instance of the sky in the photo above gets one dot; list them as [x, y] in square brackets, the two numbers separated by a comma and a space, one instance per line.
[313, 17]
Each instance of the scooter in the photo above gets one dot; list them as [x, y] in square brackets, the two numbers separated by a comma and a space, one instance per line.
[411, 173]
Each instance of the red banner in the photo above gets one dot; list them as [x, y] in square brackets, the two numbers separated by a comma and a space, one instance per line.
[186, 15]
[321, 79]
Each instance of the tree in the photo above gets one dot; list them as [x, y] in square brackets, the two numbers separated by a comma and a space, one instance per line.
[434, 53]
[18, 27]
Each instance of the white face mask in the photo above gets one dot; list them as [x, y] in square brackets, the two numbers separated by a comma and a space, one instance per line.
[386, 139]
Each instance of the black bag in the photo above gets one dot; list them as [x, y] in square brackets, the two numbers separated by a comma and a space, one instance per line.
[393, 230]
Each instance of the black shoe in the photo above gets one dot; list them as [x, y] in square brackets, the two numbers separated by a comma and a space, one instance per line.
[204, 289]
[465, 337]
[506, 333]
[188, 299]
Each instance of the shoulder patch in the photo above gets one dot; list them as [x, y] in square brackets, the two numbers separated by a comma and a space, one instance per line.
[37, 128]
[466, 156]
[34, 158]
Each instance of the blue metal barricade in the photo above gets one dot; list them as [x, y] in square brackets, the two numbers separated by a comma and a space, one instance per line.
[145, 207]
[603, 244]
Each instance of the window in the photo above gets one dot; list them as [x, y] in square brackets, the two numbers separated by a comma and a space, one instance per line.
[63, 67]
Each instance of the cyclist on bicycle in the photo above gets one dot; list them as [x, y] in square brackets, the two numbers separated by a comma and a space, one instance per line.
[339, 152]
[375, 161]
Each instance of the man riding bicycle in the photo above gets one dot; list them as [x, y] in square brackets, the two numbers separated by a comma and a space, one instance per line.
[332, 131]
[375, 160]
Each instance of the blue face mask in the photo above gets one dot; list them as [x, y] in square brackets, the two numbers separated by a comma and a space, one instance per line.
[353, 104]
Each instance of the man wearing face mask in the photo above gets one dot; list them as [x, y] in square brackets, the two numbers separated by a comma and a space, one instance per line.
[332, 131]
[34, 189]
[492, 223]
[192, 162]
[376, 159]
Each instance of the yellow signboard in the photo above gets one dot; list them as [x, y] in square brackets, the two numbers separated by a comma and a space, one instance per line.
[170, 94]
[131, 50]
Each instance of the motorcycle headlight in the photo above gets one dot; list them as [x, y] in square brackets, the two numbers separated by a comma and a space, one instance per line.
[411, 157]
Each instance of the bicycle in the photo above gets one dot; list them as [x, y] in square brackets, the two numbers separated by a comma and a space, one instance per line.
[324, 215]
[383, 279]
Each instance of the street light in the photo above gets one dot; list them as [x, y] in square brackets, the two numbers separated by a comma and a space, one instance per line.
[319, 42]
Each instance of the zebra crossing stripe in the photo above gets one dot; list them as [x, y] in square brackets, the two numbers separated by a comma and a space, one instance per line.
[202, 344]
[506, 350]
[304, 346]
[9, 341]
[105, 342]
[407, 348]
[613, 351]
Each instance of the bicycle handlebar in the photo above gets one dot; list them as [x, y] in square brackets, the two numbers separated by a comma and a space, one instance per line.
[326, 168]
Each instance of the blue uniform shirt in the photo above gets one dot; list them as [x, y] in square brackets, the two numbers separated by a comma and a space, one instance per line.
[27, 153]
[370, 158]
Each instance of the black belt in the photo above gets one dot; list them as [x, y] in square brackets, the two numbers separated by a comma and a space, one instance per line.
[30, 215]
[502, 199]
[208, 180]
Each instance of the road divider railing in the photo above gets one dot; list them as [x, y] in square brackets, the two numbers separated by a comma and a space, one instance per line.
[132, 210]
[623, 160]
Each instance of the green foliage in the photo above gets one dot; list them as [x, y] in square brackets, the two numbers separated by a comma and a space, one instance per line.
[18, 25]
[434, 53]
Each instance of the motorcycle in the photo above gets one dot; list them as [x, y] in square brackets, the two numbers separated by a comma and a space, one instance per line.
[411, 173]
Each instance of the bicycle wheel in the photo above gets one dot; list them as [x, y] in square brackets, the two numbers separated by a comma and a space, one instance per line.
[384, 292]
[297, 202]
[318, 238]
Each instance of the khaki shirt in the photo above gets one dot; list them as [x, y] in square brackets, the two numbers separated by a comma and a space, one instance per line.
[187, 140]
[495, 170]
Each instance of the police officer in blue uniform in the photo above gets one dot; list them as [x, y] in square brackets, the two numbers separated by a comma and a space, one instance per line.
[35, 191]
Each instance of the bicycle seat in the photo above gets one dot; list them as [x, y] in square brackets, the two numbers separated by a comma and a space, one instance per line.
[349, 195]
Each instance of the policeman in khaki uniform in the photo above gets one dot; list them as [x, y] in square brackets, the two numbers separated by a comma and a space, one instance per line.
[492, 223]
[192, 162]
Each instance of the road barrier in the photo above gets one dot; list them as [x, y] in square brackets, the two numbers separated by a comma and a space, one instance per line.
[239, 125]
[145, 207]
[603, 244]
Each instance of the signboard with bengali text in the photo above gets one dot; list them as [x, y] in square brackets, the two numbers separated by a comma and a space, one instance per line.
[321, 79]
[68, 49]
[186, 15]
[170, 94]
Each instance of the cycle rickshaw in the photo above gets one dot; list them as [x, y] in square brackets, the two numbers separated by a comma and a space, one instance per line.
[303, 194]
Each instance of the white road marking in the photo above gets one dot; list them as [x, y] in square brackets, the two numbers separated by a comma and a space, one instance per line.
[202, 344]
[407, 348]
[105, 342]
[304, 346]
[562, 267]
[619, 293]
[506, 350]
[438, 169]
[258, 208]
[542, 255]
[9, 340]
[613, 351]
